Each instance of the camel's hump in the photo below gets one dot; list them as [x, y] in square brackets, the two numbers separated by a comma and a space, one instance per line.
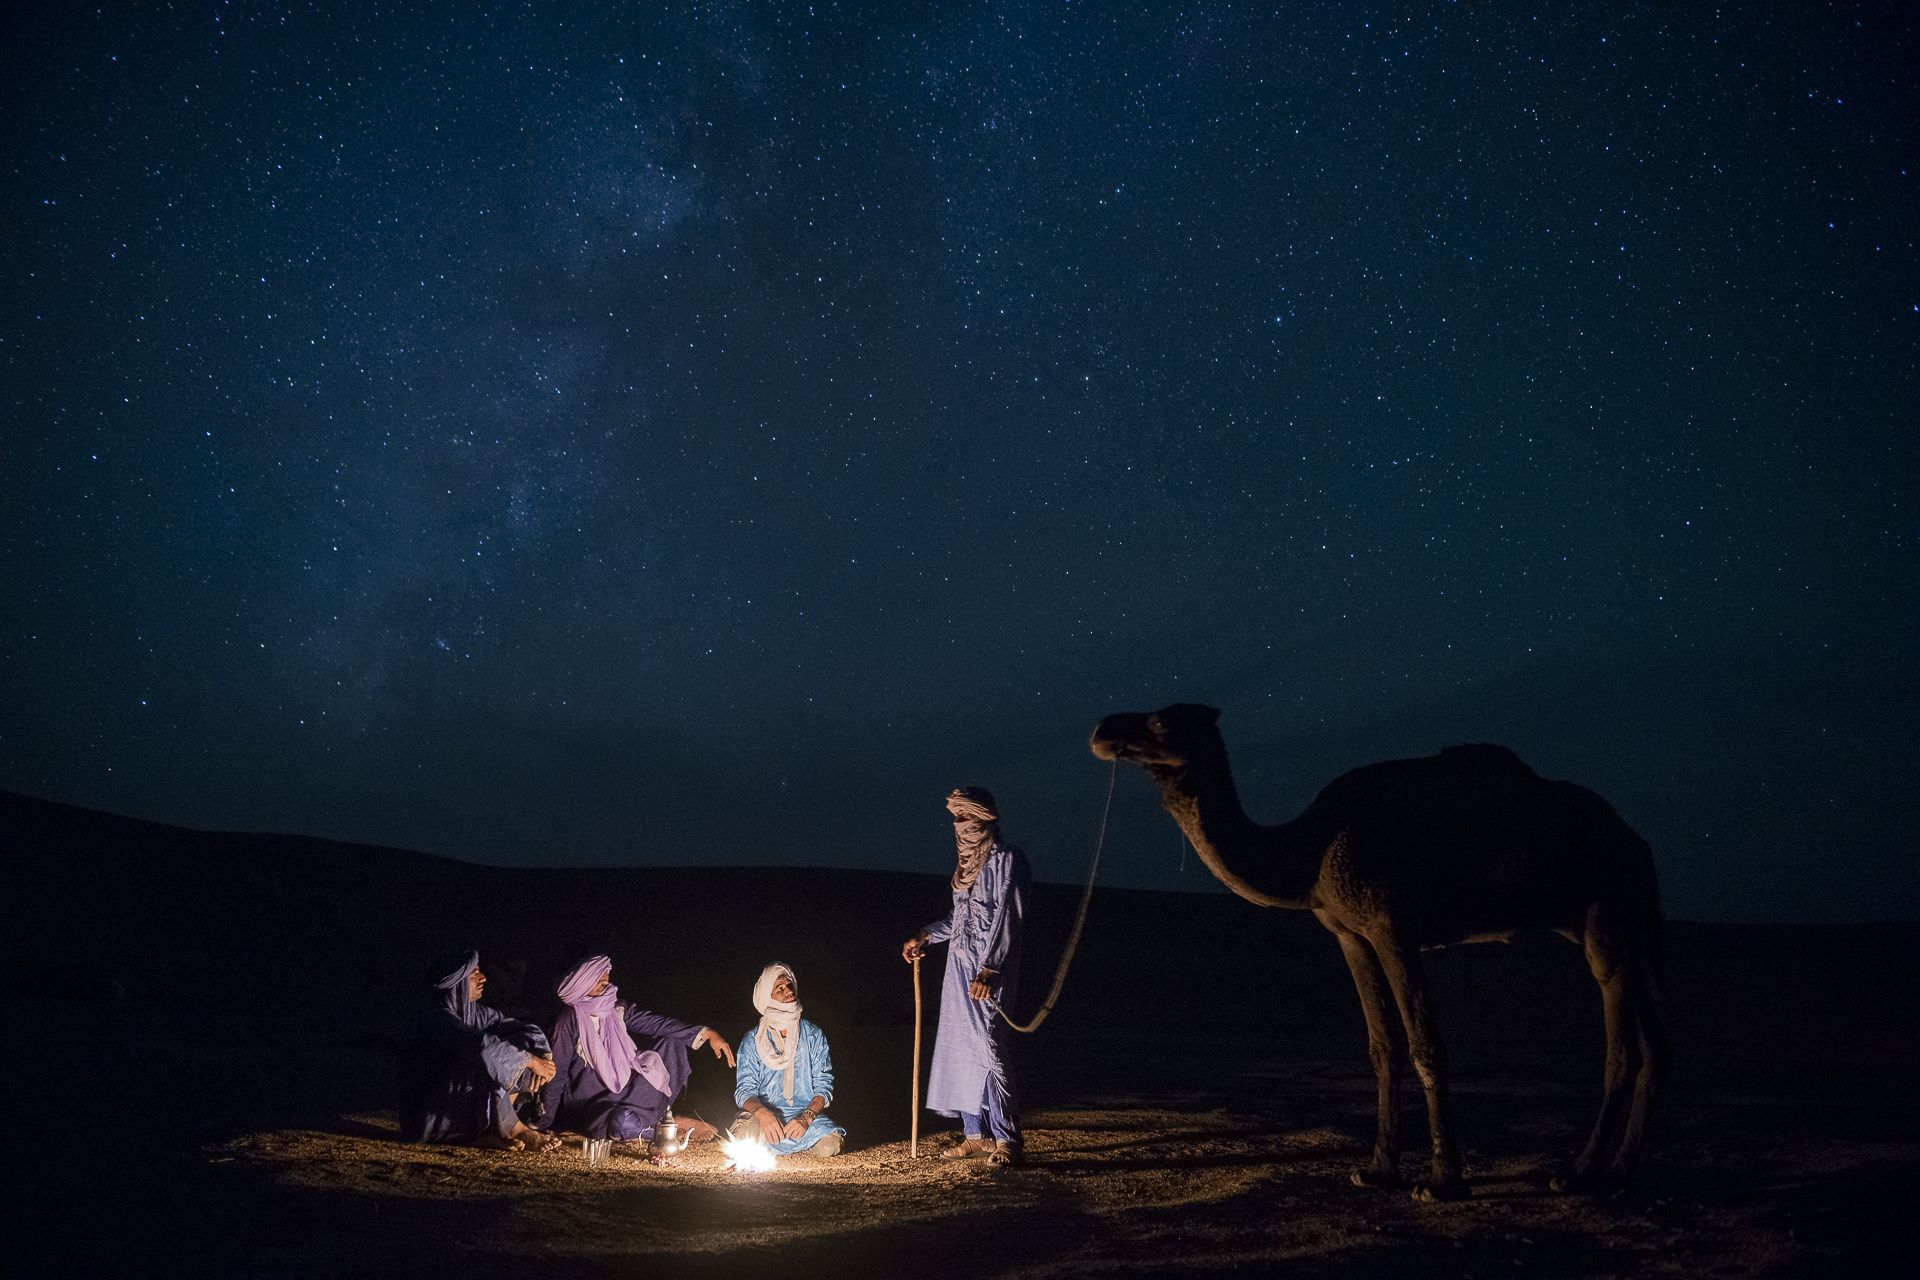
[1474, 765]
[1486, 755]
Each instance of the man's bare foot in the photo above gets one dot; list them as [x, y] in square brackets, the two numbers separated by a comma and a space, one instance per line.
[536, 1141]
[494, 1142]
[968, 1149]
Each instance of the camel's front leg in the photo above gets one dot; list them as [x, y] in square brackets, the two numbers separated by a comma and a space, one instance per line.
[1383, 1051]
[1429, 1054]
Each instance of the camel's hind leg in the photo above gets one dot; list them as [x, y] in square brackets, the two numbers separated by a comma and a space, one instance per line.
[1383, 1050]
[1636, 1062]
[1656, 1055]
[1616, 998]
[1429, 1054]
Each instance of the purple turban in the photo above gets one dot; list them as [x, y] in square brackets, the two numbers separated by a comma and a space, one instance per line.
[608, 1046]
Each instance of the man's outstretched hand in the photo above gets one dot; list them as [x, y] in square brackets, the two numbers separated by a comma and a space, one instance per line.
[716, 1042]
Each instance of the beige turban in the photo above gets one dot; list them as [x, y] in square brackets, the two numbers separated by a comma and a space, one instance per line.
[976, 821]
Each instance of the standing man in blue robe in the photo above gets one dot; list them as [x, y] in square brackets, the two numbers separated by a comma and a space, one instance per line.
[463, 1065]
[784, 1080]
[620, 1068]
[970, 1077]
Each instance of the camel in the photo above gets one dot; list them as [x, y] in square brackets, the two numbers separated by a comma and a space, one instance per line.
[1467, 846]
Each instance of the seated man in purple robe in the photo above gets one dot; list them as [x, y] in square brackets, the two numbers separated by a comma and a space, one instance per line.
[463, 1065]
[619, 1068]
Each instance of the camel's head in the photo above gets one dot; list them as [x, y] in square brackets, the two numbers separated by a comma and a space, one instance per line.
[1164, 739]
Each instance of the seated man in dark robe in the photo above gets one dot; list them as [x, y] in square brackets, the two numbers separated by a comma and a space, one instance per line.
[464, 1065]
[619, 1068]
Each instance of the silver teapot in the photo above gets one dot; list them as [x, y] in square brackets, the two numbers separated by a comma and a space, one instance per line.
[666, 1140]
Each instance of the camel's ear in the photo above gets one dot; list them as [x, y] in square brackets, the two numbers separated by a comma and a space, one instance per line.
[1199, 711]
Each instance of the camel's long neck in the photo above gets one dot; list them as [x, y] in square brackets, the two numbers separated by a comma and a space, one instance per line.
[1271, 866]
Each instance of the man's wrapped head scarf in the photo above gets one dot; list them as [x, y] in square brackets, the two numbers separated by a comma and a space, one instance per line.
[598, 1027]
[976, 821]
[777, 1051]
[449, 975]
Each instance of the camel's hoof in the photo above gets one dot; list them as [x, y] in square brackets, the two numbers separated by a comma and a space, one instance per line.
[1578, 1182]
[1575, 1182]
[1440, 1192]
[1373, 1179]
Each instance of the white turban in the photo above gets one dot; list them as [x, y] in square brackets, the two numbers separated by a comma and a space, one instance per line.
[777, 1051]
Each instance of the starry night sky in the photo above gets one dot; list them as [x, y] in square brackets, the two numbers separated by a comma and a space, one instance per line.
[560, 435]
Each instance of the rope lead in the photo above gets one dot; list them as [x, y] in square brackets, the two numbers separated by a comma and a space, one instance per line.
[1079, 922]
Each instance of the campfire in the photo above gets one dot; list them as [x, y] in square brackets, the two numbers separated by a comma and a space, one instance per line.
[747, 1155]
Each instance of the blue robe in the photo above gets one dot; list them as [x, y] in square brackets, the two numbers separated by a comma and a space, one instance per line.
[812, 1074]
[577, 1100]
[982, 931]
[455, 1076]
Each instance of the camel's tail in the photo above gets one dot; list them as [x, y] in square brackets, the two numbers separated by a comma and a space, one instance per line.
[1656, 936]
[1657, 953]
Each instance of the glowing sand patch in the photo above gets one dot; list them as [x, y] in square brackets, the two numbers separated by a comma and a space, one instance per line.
[748, 1155]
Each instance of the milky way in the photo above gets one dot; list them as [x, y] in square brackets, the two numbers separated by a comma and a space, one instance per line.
[706, 436]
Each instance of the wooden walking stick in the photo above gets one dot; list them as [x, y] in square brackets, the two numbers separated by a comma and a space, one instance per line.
[913, 1141]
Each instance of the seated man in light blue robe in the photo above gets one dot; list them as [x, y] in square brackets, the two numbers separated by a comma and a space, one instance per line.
[784, 1077]
[463, 1065]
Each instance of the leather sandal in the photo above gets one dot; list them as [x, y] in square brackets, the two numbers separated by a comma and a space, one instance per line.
[1007, 1155]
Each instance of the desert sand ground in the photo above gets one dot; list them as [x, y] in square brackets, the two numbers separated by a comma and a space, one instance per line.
[218, 1016]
